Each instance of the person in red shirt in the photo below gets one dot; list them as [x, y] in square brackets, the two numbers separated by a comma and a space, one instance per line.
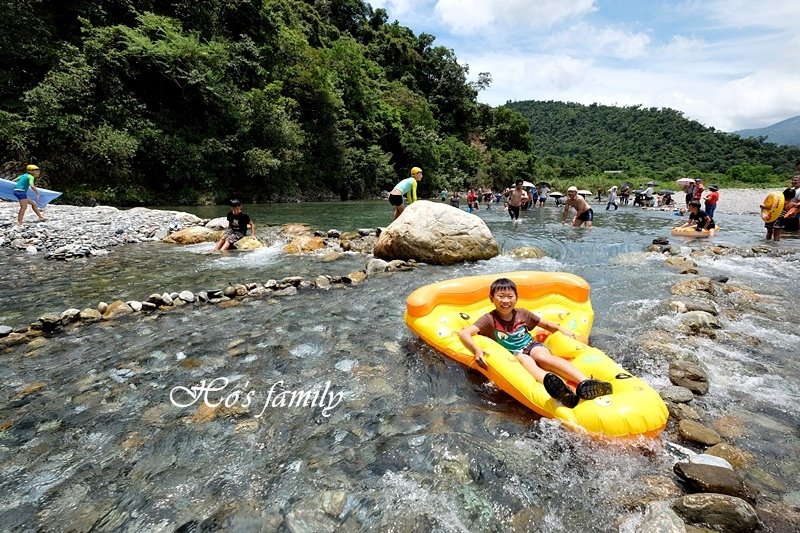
[711, 200]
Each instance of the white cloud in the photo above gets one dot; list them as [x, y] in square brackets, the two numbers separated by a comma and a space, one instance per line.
[764, 14]
[587, 39]
[465, 17]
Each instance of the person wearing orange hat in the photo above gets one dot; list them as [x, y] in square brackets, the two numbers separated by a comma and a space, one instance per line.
[24, 182]
[407, 187]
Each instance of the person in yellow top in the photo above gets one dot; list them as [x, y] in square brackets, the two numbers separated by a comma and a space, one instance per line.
[407, 187]
[23, 183]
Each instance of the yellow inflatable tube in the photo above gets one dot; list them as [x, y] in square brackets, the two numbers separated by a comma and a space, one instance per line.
[692, 232]
[437, 313]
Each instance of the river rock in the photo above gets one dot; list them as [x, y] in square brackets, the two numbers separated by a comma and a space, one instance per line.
[355, 277]
[733, 455]
[5, 330]
[248, 243]
[681, 411]
[187, 296]
[304, 244]
[701, 322]
[708, 459]
[436, 234]
[376, 266]
[723, 513]
[294, 229]
[135, 305]
[676, 394]
[683, 265]
[70, 315]
[714, 479]
[695, 284]
[50, 322]
[116, 309]
[695, 432]
[219, 223]
[527, 252]
[689, 375]
[90, 315]
[193, 235]
[660, 518]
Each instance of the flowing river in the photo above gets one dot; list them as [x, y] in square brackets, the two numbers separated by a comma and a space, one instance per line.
[415, 441]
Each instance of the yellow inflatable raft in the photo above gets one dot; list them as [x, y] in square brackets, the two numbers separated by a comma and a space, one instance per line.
[773, 205]
[437, 313]
[691, 232]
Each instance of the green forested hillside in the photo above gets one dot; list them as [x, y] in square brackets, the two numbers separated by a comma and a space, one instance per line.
[577, 140]
[139, 101]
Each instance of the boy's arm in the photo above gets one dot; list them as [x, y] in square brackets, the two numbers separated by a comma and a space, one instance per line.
[252, 228]
[553, 327]
[465, 335]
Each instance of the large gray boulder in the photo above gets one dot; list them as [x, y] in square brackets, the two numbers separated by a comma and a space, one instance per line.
[438, 234]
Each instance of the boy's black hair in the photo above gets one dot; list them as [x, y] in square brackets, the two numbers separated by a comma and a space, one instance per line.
[694, 203]
[519, 181]
[502, 284]
[236, 203]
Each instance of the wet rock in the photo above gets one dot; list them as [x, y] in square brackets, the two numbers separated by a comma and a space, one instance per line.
[331, 256]
[90, 315]
[249, 243]
[50, 322]
[711, 460]
[116, 309]
[5, 330]
[376, 266]
[660, 240]
[682, 411]
[166, 299]
[193, 235]
[295, 229]
[527, 252]
[291, 290]
[187, 296]
[723, 513]
[135, 305]
[304, 244]
[701, 322]
[735, 456]
[695, 432]
[684, 266]
[660, 518]
[689, 375]
[672, 393]
[70, 315]
[323, 282]
[436, 234]
[720, 279]
[355, 277]
[334, 233]
[690, 285]
[307, 517]
[102, 307]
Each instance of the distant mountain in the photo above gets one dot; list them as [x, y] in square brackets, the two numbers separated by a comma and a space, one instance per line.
[784, 132]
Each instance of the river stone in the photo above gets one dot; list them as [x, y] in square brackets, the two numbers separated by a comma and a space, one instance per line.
[660, 518]
[219, 223]
[70, 315]
[695, 432]
[681, 411]
[117, 308]
[303, 244]
[689, 375]
[323, 282]
[291, 290]
[733, 455]
[436, 234]
[376, 266]
[527, 252]
[50, 322]
[248, 243]
[701, 322]
[714, 479]
[90, 315]
[683, 265]
[193, 235]
[5, 330]
[166, 299]
[135, 305]
[672, 393]
[187, 296]
[723, 513]
[695, 284]
[356, 277]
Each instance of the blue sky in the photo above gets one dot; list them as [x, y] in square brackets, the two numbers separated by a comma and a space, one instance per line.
[729, 64]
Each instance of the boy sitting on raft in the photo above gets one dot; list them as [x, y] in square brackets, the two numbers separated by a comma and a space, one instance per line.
[510, 327]
[699, 219]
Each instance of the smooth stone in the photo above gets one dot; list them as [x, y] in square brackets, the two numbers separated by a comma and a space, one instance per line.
[695, 432]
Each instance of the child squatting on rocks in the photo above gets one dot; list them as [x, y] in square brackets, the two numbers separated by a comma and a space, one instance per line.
[510, 327]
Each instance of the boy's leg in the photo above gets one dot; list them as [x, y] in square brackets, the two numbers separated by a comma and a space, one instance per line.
[36, 210]
[544, 359]
[23, 205]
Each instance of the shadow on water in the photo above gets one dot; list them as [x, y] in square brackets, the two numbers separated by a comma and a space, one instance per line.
[91, 439]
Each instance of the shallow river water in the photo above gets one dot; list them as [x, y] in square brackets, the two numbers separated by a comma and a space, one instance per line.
[402, 438]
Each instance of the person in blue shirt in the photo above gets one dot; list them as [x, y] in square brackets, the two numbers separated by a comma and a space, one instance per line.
[23, 183]
[407, 187]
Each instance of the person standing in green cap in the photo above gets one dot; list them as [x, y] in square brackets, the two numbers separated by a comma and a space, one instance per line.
[25, 182]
